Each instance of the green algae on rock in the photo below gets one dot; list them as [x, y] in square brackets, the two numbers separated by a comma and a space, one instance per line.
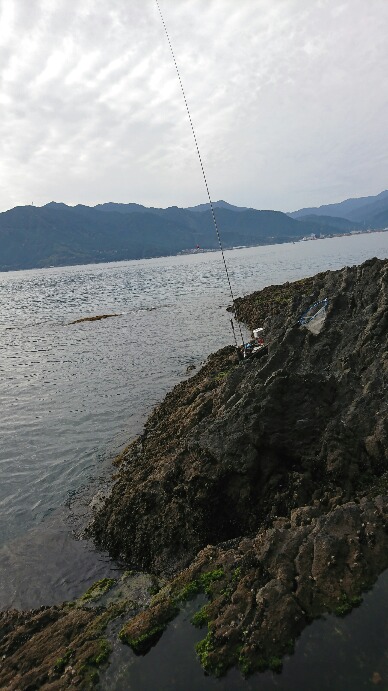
[64, 647]
[144, 630]
[98, 589]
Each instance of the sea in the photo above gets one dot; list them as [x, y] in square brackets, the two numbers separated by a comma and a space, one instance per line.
[73, 395]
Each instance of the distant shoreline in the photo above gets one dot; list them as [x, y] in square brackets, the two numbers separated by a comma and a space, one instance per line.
[188, 252]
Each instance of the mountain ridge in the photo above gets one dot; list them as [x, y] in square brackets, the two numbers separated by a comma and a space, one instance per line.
[359, 209]
[58, 235]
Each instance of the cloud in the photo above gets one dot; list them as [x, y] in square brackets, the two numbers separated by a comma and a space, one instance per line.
[287, 99]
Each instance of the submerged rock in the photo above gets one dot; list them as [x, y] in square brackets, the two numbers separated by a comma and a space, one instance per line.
[98, 317]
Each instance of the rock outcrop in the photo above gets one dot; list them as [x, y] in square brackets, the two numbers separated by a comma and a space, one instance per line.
[238, 445]
[279, 463]
[263, 483]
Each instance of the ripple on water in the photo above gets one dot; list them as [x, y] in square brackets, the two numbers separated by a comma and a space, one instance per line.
[72, 395]
[59, 567]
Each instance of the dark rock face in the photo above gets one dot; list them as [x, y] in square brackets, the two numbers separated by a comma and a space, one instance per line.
[238, 445]
[273, 472]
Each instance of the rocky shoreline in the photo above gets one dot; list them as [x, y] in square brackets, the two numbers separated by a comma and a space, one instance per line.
[262, 484]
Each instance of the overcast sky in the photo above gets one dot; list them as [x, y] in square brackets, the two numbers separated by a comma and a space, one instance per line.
[289, 100]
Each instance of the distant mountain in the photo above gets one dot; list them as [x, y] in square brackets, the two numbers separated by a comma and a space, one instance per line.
[369, 212]
[380, 220]
[342, 225]
[130, 208]
[366, 211]
[58, 235]
[120, 208]
[55, 235]
[216, 205]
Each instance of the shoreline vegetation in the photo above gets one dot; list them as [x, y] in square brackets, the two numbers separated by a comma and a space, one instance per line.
[261, 485]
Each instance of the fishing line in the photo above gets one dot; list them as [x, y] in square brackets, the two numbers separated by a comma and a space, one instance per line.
[203, 172]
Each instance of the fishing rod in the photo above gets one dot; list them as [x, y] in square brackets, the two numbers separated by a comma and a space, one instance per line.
[203, 175]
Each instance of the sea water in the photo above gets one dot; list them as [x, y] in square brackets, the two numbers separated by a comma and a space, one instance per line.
[72, 395]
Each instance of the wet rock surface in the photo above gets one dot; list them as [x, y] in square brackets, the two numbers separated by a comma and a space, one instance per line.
[66, 646]
[264, 589]
[262, 484]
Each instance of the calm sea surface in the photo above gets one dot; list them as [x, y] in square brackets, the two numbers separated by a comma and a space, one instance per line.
[72, 395]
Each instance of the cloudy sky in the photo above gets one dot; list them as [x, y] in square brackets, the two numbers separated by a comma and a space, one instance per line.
[289, 100]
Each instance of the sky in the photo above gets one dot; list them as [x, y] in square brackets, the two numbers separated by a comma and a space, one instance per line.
[288, 98]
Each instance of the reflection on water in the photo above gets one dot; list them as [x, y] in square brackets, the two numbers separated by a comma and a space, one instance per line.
[333, 654]
[49, 566]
